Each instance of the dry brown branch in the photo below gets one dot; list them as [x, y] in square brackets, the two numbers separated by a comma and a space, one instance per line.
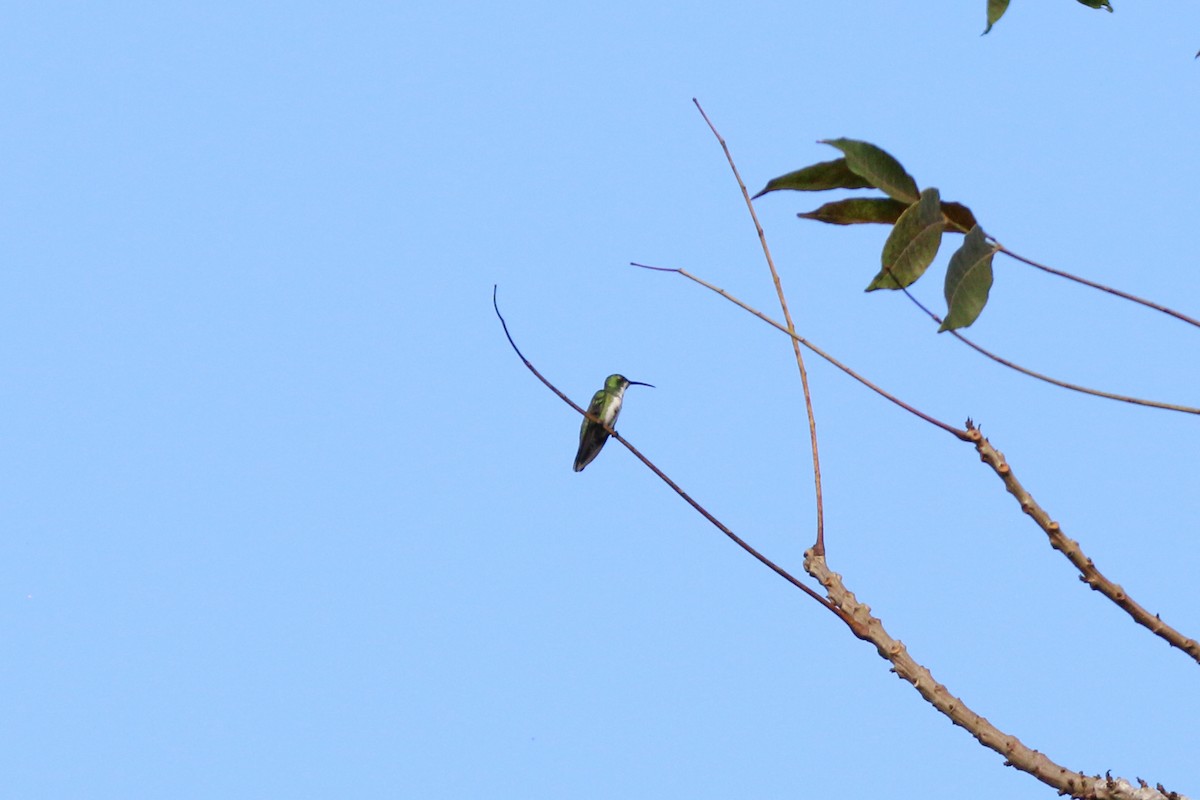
[1070, 548]
[1015, 754]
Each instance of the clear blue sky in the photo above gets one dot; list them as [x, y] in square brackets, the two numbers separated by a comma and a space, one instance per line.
[283, 515]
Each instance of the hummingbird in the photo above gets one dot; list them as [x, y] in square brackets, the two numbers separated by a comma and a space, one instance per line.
[606, 405]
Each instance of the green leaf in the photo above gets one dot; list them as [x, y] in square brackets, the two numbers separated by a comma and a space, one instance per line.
[817, 178]
[878, 168]
[912, 244]
[996, 9]
[968, 280]
[855, 210]
[1097, 4]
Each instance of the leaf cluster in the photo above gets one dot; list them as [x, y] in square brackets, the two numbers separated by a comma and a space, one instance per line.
[918, 219]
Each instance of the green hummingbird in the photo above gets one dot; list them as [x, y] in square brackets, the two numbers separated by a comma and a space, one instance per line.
[606, 405]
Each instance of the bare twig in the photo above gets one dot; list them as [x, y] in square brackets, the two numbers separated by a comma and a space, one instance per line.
[778, 570]
[1014, 752]
[948, 428]
[1055, 381]
[1179, 315]
[1110, 290]
[1070, 548]
[791, 328]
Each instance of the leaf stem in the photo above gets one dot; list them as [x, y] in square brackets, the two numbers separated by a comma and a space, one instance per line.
[1074, 387]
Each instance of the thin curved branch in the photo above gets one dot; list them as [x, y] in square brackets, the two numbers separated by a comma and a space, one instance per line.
[1179, 315]
[778, 570]
[948, 428]
[787, 316]
[1054, 381]
[1011, 749]
[1110, 290]
[1070, 548]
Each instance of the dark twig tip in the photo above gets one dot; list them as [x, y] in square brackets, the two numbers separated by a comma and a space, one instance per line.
[656, 269]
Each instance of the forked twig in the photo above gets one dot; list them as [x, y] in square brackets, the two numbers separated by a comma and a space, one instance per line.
[857, 616]
[791, 328]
